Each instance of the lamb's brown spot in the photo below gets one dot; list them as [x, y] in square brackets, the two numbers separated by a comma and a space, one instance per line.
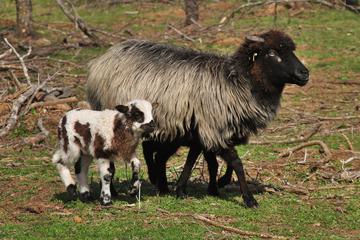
[64, 134]
[77, 142]
[84, 131]
[136, 115]
[123, 142]
[99, 144]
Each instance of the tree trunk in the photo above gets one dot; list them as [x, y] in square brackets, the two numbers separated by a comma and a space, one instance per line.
[191, 11]
[24, 18]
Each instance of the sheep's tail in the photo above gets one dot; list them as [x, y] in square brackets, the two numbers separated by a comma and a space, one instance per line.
[56, 157]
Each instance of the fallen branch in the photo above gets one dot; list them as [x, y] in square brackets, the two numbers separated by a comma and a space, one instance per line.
[324, 147]
[181, 33]
[348, 142]
[71, 14]
[338, 118]
[51, 103]
[355, 82]
[298, 140]
[6, 53]
[14, 113]
[226, 228]
[21, 58]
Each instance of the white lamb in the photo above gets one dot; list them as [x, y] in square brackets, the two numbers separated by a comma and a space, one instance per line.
[104, 136]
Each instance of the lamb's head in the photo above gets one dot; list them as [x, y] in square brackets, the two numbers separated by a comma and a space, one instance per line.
[139, 113]
[271, 57]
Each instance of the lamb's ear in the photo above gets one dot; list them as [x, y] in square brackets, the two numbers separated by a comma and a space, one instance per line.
[254, 38]
[122, 108]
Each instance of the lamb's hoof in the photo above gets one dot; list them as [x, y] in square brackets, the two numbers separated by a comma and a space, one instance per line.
[181, 193]
[85, 197]
[213, 192]
[71, 190]
[105, 200]
[250, 201]
[223, 181]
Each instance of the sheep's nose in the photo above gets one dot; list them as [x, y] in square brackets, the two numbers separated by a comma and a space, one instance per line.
[302, 74]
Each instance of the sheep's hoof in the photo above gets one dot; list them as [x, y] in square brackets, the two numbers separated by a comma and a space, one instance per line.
[113, 192]
[250, 201]
[223, 181]
[71, 190]
[85, 197]
[213, 191]
[181, 193]
[105, 200]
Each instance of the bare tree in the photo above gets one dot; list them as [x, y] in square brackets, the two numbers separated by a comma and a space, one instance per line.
[191, 11]
[24, 18]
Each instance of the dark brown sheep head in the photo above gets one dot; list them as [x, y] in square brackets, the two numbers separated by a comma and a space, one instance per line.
[271, 59]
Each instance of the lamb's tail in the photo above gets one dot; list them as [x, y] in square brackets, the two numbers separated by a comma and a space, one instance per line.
[57, 157]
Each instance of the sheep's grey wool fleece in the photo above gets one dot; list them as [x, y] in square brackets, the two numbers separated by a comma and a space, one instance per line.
[190, 87]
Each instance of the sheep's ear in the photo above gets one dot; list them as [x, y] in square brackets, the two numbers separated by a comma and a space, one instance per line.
[254, 38]
[122, 108]
[155, 104]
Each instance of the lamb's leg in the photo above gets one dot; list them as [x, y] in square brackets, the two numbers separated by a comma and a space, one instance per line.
[112, 187]
[231, 157]
[213, 168]
[65, 175]
[81, 171]
[135, 181]
[226, 179]
[149, 148]
[194, 152]
[105, 175]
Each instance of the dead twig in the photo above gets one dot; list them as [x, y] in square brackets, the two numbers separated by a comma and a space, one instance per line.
[224, 227]
[21, 58]
[55, 102]
[6, 53]
[14, 113]
[298, 140]
[72, 15]
[348, 142]
[338, 118]
[181, 33]
[324, 147]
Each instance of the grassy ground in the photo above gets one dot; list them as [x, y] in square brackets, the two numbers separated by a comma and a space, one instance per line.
[33, 204]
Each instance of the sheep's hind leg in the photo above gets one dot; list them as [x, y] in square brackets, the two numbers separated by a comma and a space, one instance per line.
[194, 152]
[232, 159]
[213, 168]
[81, 171]
[105, 175]
[226, 178]
[135, 181]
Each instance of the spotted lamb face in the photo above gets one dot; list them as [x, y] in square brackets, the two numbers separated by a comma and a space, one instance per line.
[140, 113]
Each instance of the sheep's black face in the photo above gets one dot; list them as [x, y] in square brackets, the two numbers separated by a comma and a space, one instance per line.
[273, 59]
[284, 67]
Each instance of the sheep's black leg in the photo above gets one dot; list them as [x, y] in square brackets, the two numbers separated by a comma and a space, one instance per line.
[213, 168]
[161, 158]
[149, 148]
[232, 159]
[194, 152]
[226, 179]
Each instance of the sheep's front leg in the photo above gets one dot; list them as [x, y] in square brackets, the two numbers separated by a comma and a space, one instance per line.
[135, 181]
[81, 171]
[106, 176]
[232, 159]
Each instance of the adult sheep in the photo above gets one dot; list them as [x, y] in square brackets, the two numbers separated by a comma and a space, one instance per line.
[206, 101]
